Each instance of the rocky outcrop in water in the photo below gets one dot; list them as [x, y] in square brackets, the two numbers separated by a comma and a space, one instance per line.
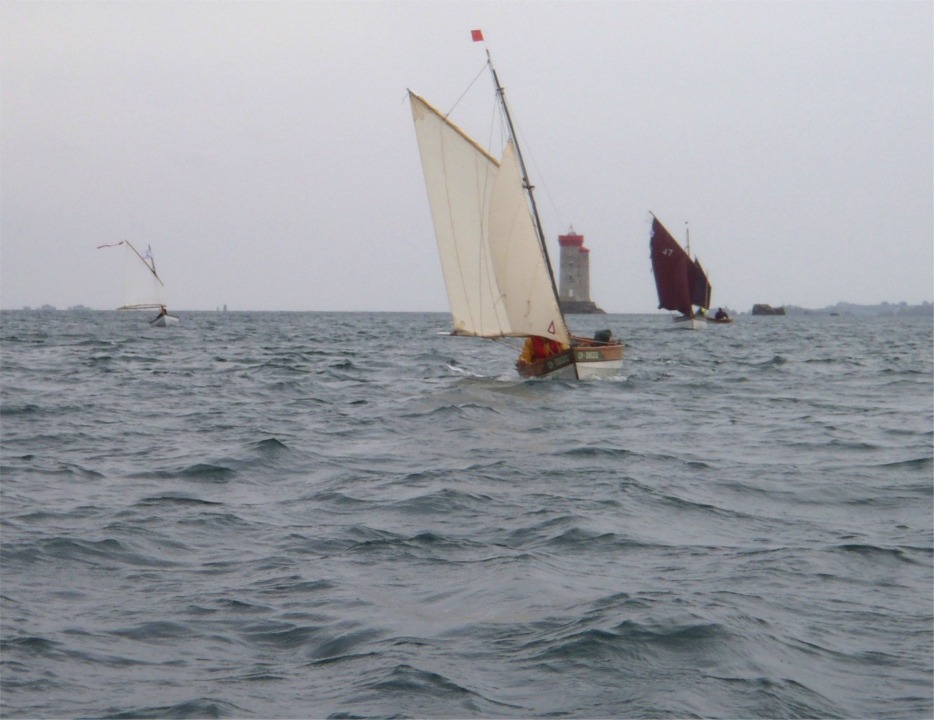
[580, 307]
[763, 309]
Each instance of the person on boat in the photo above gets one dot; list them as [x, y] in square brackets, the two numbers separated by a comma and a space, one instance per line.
[538, 348]
[162, 312]
[721, 314]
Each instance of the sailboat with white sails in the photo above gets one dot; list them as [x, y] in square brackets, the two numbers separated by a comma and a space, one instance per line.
[498, 276]
[142, 287]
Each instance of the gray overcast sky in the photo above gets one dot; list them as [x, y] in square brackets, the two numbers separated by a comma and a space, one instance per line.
[266, 150]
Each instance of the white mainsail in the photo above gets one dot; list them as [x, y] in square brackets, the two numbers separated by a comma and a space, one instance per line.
[495, 270]
[142, 288]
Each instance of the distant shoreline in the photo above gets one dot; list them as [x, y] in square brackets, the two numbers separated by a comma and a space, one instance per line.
[840, 309]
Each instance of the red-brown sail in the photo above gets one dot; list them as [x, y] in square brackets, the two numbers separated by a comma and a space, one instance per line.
[700, 286]
[672, 268]
[680, 281]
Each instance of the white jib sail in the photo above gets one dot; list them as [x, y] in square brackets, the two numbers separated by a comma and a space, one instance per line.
[518, 258]
[494, 270]
[142, 288]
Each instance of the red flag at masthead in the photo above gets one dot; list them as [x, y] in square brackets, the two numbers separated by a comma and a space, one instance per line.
[476, 35]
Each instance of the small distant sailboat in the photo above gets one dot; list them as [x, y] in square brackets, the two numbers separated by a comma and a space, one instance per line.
[493, 255]
[680, 281]
[142, 286]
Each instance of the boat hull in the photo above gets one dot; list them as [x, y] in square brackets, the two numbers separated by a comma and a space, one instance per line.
[690, 323]
[579, 362]
[164, 321]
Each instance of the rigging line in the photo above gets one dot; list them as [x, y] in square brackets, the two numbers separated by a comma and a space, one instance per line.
[521, 136]
[498, 131]
[529, 189]
[510, 341]
[541, 181]
[467, 90]
[497, 122]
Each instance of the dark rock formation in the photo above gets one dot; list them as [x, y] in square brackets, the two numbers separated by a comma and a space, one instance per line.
[763, 309]
[580, 307]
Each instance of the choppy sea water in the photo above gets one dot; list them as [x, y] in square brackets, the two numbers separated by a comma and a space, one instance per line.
[314, 515]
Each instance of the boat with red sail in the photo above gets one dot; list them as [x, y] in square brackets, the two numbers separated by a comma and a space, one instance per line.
[681, 281]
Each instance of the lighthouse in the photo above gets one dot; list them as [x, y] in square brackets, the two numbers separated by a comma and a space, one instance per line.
[574, 282]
